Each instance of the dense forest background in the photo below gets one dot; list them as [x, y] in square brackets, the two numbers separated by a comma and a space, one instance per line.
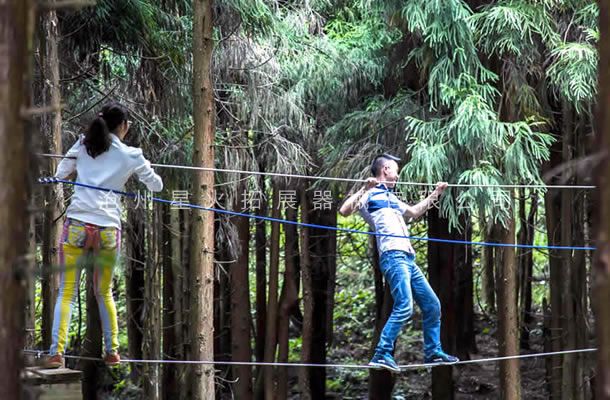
[470, 92]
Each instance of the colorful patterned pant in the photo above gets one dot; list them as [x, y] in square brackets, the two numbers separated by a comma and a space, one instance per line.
[81, 245]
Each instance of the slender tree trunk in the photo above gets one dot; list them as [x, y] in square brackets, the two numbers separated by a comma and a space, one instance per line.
[332, 283]
[222, 307]
[552, 214]
[602, 172]
[261, 288]
[240, 309]
[179, 272]
[304, 378]
[464, 297]
[272, 305]
[202, 233]
[323, 255]
[52, 227]
[135, 285]
[487, 262]
[567, 310]
[15, 42]
[526, 264]
[186, 216]
[381, 382]
[30, 303]
[92, 345]
[288, 299]
[446, 265]
[169, 248]
[508, 324]
[151, 348]
[581, 208]
[546, 343]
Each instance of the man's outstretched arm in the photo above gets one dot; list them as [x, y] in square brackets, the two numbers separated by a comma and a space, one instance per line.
[420, 208]
[352, 203]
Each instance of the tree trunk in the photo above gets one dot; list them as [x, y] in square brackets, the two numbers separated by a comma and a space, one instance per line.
[602, 172]
[202, 233]
[289, 299]
[171, 312]
[136, 252]
[581, 207]
[464, 297]
[567, 310]
[92, 346]
[508, 324]
[526, 264]
[151, 346]
[15, 34]
[240, 309]
[30, 302]
[332, 282]
[180, 272]
[222, 306]
[261, 288]
[446, 266]
[323, 244]
[185, 218]
[51, 123]
[552, 214]
[381, 382]
[487, 262]
[304, 377]
[272, 305]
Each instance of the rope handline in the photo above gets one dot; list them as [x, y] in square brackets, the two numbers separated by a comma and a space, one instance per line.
[353, 180]
[316, 226]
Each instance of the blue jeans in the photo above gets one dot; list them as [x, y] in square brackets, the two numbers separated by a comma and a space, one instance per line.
[407, 282]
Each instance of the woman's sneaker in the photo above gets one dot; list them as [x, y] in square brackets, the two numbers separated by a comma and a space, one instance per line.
[384, 361]
[53, 361]
[112, 359]
[441, 357]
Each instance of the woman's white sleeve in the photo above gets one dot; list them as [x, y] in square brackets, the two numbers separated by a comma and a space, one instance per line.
[67, 166]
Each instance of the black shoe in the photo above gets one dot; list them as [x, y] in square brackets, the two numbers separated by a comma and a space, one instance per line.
[384, 361]
[441, 357]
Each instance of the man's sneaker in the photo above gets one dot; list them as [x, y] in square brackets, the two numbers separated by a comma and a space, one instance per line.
[112, 359]
[441, 357]
[53, 362]
[384, 361]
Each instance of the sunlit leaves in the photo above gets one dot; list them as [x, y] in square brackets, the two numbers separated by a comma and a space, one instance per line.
[513, 28]
[573, 73]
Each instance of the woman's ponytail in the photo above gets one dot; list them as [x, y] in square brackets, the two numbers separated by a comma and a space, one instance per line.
[98, 139]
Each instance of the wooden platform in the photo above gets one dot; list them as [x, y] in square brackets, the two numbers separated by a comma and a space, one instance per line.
[52, 384]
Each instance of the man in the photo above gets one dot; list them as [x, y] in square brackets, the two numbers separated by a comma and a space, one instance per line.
[385, 213]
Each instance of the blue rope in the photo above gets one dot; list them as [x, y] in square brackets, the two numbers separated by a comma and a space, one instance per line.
[307, 225]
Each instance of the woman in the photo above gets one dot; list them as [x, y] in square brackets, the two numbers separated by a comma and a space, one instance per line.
[92, 231]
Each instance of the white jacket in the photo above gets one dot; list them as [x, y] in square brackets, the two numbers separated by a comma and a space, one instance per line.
[110, 170]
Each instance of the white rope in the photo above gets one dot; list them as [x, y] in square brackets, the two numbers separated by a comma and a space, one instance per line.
[311, 365]
[496, 359]
[330, 178]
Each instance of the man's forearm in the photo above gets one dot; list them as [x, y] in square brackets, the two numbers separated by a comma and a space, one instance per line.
[351, 204]
[420, 208]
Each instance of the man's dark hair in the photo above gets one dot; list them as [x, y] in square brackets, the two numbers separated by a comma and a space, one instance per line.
[379, 162]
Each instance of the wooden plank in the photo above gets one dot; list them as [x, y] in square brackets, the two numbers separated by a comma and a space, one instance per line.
[52, 384]
[39, 375]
